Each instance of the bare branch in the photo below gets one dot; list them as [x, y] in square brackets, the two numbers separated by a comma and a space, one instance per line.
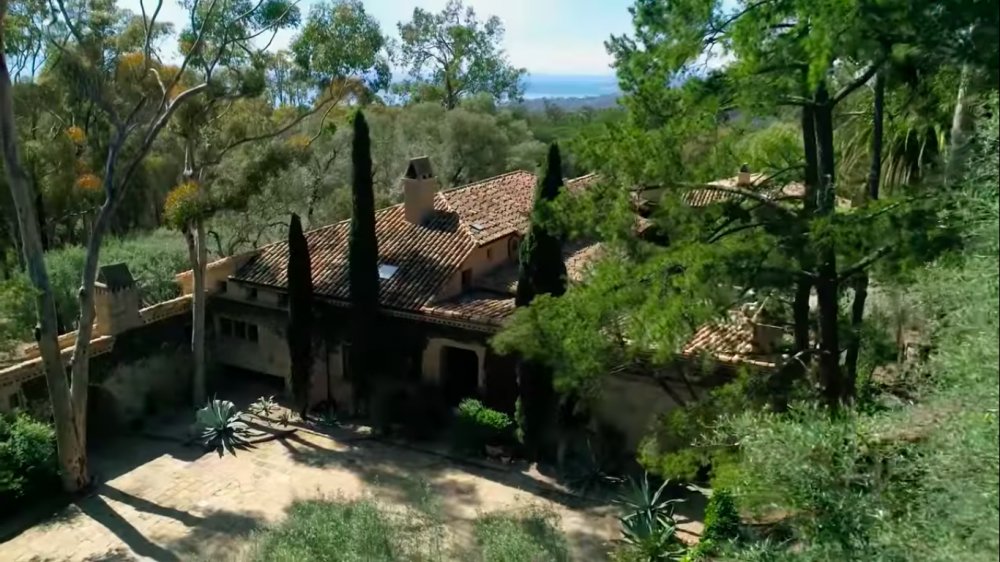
[864, 263]
[149, 27]
[165, 102]
[262, 136]
[762, 199]
[859, 81]
[151, 134]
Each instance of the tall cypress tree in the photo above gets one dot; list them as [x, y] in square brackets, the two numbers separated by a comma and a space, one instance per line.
[300, 318]
[362, 264]
[542, 271]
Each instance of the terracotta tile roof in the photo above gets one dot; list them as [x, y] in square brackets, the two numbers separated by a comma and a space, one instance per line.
[480, 306]
[733, 341]
[705, 197]
[496, 207]
[427, 255]
[577, 256]
[581, 183]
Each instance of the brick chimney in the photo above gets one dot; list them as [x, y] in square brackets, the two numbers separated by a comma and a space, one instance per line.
[743, 179]
[116, 300]
[419, 187]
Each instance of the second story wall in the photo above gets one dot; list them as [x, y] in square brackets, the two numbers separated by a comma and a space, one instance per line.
[481, 261]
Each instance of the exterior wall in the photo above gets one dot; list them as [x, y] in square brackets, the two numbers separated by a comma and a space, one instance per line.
[269, 353]
[631, 404]
[149, 372]
[481, 261]
[215, 273]
[413, 348]
[432, 367]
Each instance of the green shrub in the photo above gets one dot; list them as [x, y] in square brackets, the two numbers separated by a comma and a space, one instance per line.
[153, 259]
[532, 537]
[477, 426]
[722, 519]
[28, 462]
[320, 531]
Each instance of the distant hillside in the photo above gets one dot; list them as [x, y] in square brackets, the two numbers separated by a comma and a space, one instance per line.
[572, 103]
[570, 92]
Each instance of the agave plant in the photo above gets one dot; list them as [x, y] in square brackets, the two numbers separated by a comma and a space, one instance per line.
[222, 427]
[648, 524]
[652, 540]
[586, 473]
[263, 406]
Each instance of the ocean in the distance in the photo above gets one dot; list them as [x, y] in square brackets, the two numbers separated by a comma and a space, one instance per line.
[568, 86]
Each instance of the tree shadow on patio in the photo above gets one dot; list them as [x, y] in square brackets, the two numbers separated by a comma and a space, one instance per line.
[215, 526]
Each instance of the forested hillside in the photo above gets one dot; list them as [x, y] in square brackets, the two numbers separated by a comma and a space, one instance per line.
[273, 141]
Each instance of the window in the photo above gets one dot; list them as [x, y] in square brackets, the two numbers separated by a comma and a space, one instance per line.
[489, 253]
[282, 299]
[251, 294]
[466, 278]
[223, 286]
[513, 245]
[387, 270]
[238, 329]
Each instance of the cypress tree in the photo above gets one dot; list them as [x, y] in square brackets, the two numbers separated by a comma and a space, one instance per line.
[542, 271]
[300, 320]
[362, 263]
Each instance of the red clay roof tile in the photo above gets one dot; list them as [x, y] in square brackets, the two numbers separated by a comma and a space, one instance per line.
[495, 207]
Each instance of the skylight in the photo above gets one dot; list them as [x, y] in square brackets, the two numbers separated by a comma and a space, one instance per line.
[387, 270]
[476, 227]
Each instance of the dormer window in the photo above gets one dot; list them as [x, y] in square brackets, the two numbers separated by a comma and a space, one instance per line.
[386, 271]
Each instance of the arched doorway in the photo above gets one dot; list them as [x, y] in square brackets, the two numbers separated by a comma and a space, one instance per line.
[459, 374]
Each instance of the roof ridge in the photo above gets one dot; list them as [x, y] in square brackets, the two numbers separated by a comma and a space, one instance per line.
[485, 180]
[465, 227]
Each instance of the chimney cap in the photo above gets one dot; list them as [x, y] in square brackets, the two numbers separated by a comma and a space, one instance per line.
[419, 168]
[115, 276]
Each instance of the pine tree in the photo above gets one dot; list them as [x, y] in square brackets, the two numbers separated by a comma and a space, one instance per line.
[362, 263]
[542, 271]
[300, 292]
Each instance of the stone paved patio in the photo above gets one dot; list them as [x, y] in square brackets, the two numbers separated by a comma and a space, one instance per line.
[161, 501]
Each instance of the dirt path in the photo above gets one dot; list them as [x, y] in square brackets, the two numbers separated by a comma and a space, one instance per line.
[161, 501]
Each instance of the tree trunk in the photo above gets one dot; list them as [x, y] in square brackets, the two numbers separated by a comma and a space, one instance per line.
[80, 362]
[959, 143]
[860, 284]
[194, 235]
[785, 377]
[70, 442]
[827, 286]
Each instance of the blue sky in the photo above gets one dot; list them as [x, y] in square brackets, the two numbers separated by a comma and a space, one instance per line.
[544, 36]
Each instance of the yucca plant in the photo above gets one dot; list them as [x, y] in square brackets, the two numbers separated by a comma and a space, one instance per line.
[648, 526]
[222, 427]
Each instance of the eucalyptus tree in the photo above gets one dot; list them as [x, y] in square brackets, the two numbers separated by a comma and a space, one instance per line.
[137, 95]
[452, 54]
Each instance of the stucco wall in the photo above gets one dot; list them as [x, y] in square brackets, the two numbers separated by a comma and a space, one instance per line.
[480, 261]
[631, 404]
[267, 353]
